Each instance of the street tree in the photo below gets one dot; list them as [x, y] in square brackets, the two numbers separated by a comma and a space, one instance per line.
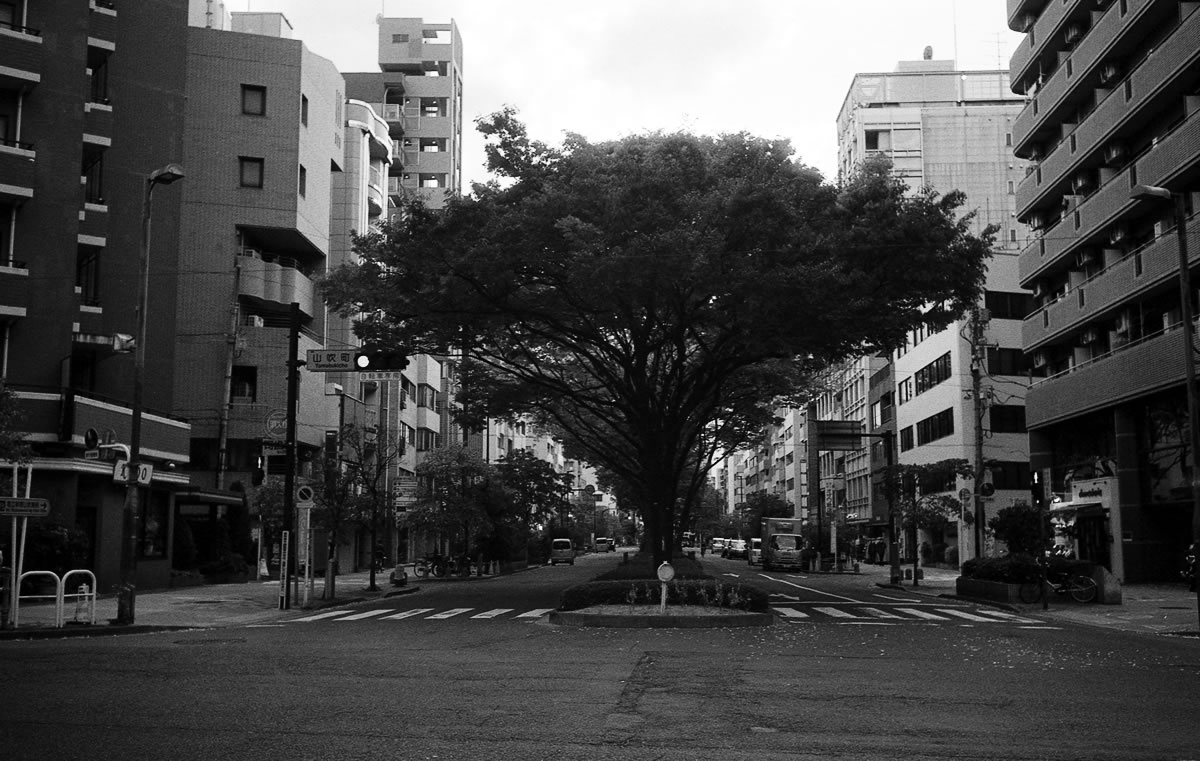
[452, 481]
[658, 295]
[764, 505]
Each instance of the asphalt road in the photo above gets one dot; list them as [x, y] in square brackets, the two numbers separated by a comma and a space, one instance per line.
[391, 686]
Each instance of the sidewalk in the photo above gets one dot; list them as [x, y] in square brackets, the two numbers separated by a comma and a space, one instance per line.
[1144, 608]
[201, 607]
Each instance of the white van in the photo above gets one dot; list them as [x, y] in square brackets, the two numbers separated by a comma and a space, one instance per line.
[562, 551]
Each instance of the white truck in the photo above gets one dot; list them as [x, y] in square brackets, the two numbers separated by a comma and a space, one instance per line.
[782, 544]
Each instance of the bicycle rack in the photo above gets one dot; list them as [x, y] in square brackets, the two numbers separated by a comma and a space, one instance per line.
[86, 594]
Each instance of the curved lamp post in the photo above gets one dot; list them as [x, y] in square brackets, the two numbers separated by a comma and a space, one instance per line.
[127, 590]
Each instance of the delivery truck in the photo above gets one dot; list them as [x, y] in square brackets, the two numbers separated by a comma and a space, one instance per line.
[782, 544]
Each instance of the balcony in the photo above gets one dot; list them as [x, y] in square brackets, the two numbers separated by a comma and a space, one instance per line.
[93, 220]
[277, 280]
[1159, 70]
[22, 56]
[1082, 69]
[1043, 38]
[98, 120]
[1150, 268]
[1133, 370]
[18, 162]
[14, 288]
[102, 22]
[1156, 166]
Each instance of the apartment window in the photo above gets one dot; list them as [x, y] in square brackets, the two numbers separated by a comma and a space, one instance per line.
[426, 439]
[303, 180]
[243, 384]
[304, 110]
[433, 107]
[250, 171]
[426, 396]
[1007, 418]
[87, 274]
[1008, 305]
[8, 16]
[1012, 187]
[433, 181]
[6, 224]
[932, 374]
[1008, 139]
[906, 439]
[904, 390]
[1010, 476]
[254, 100]
[1007, 362]
[399, 38]
[97, 63]
[935, 427]
[93, 176]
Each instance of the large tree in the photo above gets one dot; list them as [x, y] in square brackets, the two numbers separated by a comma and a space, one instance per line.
[654, 295]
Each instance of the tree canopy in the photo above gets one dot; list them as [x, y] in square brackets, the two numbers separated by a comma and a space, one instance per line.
[656, 296]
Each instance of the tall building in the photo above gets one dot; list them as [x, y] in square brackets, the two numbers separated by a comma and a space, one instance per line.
[91, 103]
[957, 394]
[1113, 101]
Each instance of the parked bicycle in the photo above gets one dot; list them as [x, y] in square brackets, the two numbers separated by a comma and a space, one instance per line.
[431, 565]
[1081, 588]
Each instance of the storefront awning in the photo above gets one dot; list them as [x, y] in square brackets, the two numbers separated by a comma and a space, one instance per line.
[1064, 507]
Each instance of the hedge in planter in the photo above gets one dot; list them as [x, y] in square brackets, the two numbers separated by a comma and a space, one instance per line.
[705, 592]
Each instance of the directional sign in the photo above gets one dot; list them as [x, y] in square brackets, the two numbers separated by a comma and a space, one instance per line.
[121, 472]
[330, 360]
[382, 375]
[24, 508]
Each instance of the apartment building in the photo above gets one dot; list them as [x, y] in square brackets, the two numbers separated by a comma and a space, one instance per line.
[948, 129]
[1113, 102]
[91, 103]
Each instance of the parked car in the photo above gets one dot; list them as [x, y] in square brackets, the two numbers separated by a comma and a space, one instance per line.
[754, 553]
[604, 544]
[735, 548]
[562, 551]
[718, 545]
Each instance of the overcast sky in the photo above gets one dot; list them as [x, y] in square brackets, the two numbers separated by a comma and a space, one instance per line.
[773, 68]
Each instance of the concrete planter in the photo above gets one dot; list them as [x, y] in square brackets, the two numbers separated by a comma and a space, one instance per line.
[992, 591]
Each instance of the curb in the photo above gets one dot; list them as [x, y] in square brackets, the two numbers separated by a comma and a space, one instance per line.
[644, 621]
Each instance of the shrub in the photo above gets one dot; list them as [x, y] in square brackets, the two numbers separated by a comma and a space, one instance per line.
[1011, 569]
[690, 591]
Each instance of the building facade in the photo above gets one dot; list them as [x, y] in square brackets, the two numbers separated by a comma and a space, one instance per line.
[95, 92]
[1113, 102]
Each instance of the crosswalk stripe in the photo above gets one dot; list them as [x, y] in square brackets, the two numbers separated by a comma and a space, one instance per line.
[923, 614]
[836, 612]
[448, 614]
[880, 613]
[967, 616]
[1013, 617]
[407, 614]
[492, 613]
[366, 614]
[791, 613]
[317, 617]
[535, 613]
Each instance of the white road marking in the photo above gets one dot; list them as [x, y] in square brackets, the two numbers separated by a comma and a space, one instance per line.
[318, 616]
[407, 614]
[923, 614]
[880, 613]
[1013, 617]
[367, 614]
[967, 616]
[492, 613]
[448, 614]
[809, 589]
[897, 599]
[536, 613]
[836, 613]
[793, 598]
[790, 613]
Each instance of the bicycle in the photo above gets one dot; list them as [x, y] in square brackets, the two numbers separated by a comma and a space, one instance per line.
[1081, 588]
[434, 565]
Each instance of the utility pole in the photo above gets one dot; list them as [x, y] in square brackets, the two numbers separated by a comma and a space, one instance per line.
[289, 540]
[979, 320]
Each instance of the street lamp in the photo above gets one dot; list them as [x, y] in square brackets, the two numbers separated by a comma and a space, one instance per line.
[126, 592]
[1148, 192]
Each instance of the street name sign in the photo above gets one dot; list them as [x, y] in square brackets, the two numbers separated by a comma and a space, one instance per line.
[18, 507]
[330, 360]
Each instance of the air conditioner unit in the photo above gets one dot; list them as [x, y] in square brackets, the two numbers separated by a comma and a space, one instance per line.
[1160, 229]
[1089, 336]
[1110, 72]
[1085, 258]
[1081, 183]
[1117, 234]
[254, 253]
[1114, 153]
[1037, 220]
[1073, 34]
[1123, 323]
[255, 321]
[1040, 359]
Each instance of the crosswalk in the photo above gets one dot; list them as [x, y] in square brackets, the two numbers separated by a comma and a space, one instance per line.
[895, 615]
[427, 614]
[841, 614]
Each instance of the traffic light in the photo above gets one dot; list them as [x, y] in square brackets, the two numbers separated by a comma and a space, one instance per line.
[371, 360]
